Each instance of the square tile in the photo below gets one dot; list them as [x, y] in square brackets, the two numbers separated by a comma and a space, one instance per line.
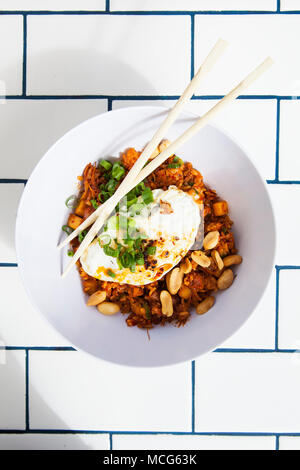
[10, 195]
[275, 35]
[196, 5]
[12, 390]
[20, 323]
[289, 140]
[54, 441]
[247, 393]
[285, 200]
[37, 125]
[11, 57]
[289, 309]
[289, 5]
[107, 55]
[54, 5]
[107, 397]
[289, 443]
[172, 442]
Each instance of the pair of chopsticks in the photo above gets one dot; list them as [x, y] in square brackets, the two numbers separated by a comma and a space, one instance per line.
[137, 172]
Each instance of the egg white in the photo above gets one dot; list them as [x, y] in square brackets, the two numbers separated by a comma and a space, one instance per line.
[174, 234]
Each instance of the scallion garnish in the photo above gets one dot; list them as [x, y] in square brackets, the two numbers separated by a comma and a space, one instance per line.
[117, 171]
[147, 196]
[67, 229]
[151, 250]
[110, 251]
[70, 253]
[140, 259]
[105, 164]
[113, 223]
[82, 235]
[111, 273]
[177, 163]
[94, 203]
[71, 201]
[111, 186]
[104, 239]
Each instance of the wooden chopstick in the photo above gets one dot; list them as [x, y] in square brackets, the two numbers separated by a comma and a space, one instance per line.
[207, 65]
[188, 134]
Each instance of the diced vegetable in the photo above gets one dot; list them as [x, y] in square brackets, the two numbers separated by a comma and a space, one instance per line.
[74, 221]
[80, 208]
[220, 208]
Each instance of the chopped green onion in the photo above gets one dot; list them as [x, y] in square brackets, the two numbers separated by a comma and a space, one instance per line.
[70, 253]
[71, 202]
[131, 201]
[110, 251]
[147, 310]
[136, 209]
[117, 171]
[111, 186]
[140, 259]
[82, 235]
[127, 259]
[177, 163]
[67, 229]
[132, 268]
[94, 203]
[139, 188]
[105, 164]
[104, 239]
[131, 223]
[113, 223]
[103, 196]
[111, 273]
[147, 196]
[151, 250]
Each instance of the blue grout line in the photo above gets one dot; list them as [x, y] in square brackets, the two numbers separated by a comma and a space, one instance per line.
[109, 104]
[278, 6]
[218, 350]
[283, 182]
[151, 12]
[277, 307]
[277, 443]
[12, 181]
[110, 441]
[277, 140]
[192, 46]
[8, 265]
[27, 390]
[193, 395]
[24, 55]
[107, 5]
[147, 433]
[144, 97]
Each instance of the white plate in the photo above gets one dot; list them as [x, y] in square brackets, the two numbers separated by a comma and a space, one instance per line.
[42, 212]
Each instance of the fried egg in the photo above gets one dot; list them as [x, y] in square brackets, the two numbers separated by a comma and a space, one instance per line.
[170, 223]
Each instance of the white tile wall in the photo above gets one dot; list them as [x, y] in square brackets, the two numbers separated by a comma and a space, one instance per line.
[289, 148]
[54, 442]
[107, 54]
[12, 390]
[244, 53]
[237, 120]
[138, 5]
[20, 323]
[289, 309]
[285, 201]
[11, 56]
[289, 443]
[29, 127]
[55, 5]
[246, 392]
[10, 195]
[290, 4]
[169, 442]
[76, 391]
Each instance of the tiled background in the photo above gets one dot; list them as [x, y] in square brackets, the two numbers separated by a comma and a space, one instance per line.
[62, 61]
